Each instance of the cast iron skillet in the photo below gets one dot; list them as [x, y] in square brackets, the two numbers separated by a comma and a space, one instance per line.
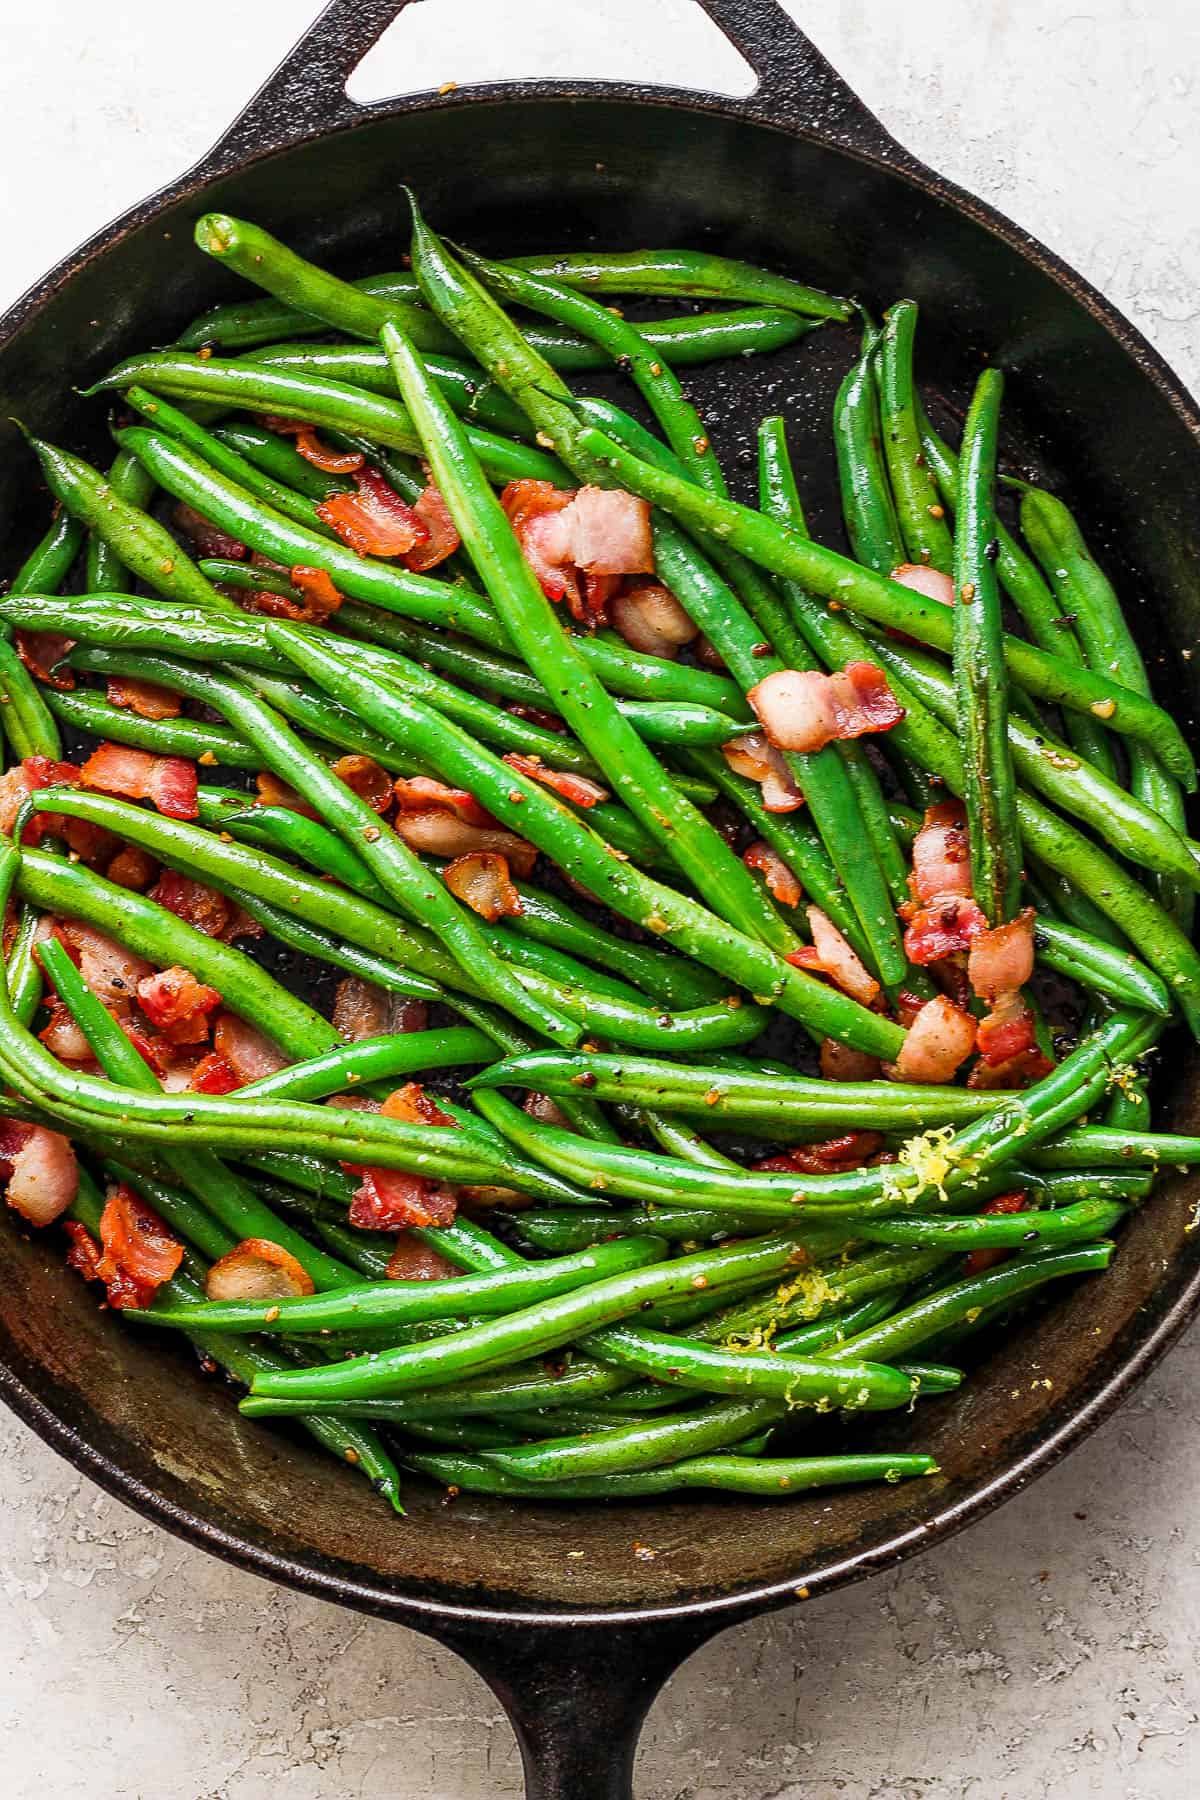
[561, 1609]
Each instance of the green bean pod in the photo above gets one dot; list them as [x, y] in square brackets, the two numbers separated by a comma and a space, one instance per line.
[922, 518]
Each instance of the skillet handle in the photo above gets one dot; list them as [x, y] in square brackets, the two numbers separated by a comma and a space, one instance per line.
[306, 95]
[797, 87]
[577, 1695]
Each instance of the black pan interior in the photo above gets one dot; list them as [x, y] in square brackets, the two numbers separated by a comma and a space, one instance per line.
[1084, 409]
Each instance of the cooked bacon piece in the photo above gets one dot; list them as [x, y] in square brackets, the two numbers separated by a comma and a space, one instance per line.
[830, 954]
[207, 539]
[145, 698]
[781, 882]
[169, 781]
[1004, 1205]
[941, 855]
[321, 456]
[26, 778]
[249, 1054]
[547, 720]
[603, 531]
[191, 900]
[415, 793]
[439, 833]
[753, 756]
[109, 969]
[947, 925]
[833, 1157]
[412, 1260]
[320, 598]
[133, 868]
[441, 533]
[529, 506]
[273, 792]
[414, 1106]
[801, 709]
[546, 1110]
[390, 1200]
[136, 1253]
[575, 788]
[361, 1010]
[213, 1075]
[63, 1037]
[364, 777]
[374, 521]
[155, 1051]
[257, 1269]
[840, 1063]
[1008, 1030]
[940, 1038]
[482, 882]
[178, 1004]
[39, 1170]
[42, 652]
[709, 657]
[908, 1005]
[921, 579]
[1001, 960]
[1019, 1071]
[650, 619]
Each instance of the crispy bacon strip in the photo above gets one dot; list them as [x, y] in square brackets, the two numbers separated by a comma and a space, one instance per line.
[207, 539]
[42, 652]
[575, 788]
[782, 884]
[482, 881]
[136, 1252]
[943, 928]
[178, 1004]
[755, 757]
[1001, 960]
[940, 1038]
[650, 619]
[941, 854]
[39, 1170]
[169, 781]
[829, 954]
[441, 533]
[145, 698]
[361, 1010]
[321, 456]
[389, 1199]
[374, 521]
[248, 1052]
[364, 777]
[833, 1157]
[321, 598]
[16, 785]
[412, 1260]
[416, 793]
[214, 1075]
[840, 1063]
[257, 1269]
[932, 584]
[803, 710]
[1008, 1030]
[192, 901]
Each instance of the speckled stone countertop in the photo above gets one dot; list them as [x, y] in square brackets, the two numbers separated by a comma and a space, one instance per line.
[1052, 1649]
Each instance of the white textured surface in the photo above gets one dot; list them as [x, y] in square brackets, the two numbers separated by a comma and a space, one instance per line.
[1051, 1650]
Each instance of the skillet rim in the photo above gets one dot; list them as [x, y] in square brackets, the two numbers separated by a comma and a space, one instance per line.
[873, 149]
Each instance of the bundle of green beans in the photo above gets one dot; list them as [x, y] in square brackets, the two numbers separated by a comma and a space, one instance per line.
[583, 1298]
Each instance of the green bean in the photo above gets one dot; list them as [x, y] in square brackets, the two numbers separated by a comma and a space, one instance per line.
[628, 1448]
[1082, 588]
[293, 833]
[834, 577]
[1069, 1225]
[532, 1331]
[764, 1477]
[815, 1293]
[920, 513]
[523, 1386]
[798, 1380]
[24, 974]
[1046, 764]
[137, 540]
[915, 1324]
[104, 572]
[49, 562]
[388, 1304]
[578, 850]
[979, 679]
[279, 458]
[728, 1096]
[696, 273]
[195, 739]
[1099, 966]
[466, 388]
[867, 504]
[1088, 1144]
[370, 1059]
[636, 775]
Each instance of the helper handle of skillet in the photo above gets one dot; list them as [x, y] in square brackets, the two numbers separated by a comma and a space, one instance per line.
[576, 1695]
[306, 95]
